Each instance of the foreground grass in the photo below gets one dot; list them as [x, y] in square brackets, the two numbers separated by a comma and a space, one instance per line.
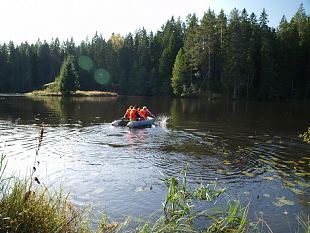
[23, 210]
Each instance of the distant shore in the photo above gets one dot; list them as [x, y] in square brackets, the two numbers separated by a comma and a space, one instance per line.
[74, 94]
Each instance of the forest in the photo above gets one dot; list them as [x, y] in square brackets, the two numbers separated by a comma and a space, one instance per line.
[235, 55]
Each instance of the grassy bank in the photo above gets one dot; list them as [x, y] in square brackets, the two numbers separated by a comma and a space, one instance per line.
[29, 209]
[73, 94]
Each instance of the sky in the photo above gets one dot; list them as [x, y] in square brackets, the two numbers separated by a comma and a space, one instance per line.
[28, 20]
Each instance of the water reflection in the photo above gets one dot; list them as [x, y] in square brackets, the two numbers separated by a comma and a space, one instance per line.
[252, 148]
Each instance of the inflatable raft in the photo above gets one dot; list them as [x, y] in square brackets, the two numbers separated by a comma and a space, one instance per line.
[134, 124]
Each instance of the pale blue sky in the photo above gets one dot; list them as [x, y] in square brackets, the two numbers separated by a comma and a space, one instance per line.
[22, 20]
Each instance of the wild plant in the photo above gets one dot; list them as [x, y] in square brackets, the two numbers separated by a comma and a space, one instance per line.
[183, 212]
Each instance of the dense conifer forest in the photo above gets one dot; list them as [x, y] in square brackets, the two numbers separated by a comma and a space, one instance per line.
[236, 55]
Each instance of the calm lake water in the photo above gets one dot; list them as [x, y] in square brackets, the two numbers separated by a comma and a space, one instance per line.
[252, 148]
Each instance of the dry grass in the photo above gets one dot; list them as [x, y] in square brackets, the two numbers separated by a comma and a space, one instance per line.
[94, 93]
[25, 209]
[74, 94]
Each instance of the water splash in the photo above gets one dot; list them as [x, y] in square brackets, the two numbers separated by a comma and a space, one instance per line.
[162, 121]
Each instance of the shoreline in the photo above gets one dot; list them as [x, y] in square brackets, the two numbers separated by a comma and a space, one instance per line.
[75, 94]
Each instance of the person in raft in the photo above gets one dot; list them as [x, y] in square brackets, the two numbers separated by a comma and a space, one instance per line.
[134, 114]
[144, 113]
[126, 116]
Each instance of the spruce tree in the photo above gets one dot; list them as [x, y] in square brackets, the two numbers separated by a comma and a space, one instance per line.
[67, 81]
[178, 73]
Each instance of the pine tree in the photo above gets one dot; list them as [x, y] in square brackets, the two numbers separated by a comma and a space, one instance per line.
[191, 49]
[126, 65]
[178, 73]
[300, 23]
[172, 41]
[4, 81]
[44, 63]
[219, 56]
[231, 78]
[67, 81]
[267, 61]
[208, 44]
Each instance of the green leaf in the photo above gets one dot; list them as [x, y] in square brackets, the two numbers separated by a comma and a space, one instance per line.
[275, 159]
[268, 178]
[266, 195]
[139, 189]
[227, 162]
[303, 184]
[297, 191]
[264, 161]
[302, 174]
[282, 201]
[247, 174]
[278, 204]
[288, 183]
[246, 193]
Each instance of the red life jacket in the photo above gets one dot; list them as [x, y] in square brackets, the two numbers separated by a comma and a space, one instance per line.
[148, 113]
[132, 114]
[143, 114]
[127, 113]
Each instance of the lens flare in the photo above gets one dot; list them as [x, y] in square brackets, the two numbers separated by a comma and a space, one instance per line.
[85, 62]
[102, 76]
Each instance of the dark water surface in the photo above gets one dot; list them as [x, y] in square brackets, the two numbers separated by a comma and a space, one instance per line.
[250, 147]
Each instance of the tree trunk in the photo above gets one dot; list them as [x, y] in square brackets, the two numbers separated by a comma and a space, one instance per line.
[235, 89]
[247, 86]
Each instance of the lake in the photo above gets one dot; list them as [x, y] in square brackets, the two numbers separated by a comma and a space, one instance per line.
[252, 148]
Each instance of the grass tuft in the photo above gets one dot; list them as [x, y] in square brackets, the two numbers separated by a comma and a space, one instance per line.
[22, 210]
[303, 223]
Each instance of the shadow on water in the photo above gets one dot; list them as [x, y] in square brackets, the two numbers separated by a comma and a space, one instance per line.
[252, 148]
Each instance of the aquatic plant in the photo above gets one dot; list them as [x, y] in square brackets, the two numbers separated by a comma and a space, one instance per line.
[114, 227]
[184, 212]
[306, 136]
[303, 223]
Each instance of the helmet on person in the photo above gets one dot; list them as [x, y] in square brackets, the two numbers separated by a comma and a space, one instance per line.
[144, 107]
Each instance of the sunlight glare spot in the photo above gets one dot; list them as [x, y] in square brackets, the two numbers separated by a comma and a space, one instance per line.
[102, 76]
[85, 62]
